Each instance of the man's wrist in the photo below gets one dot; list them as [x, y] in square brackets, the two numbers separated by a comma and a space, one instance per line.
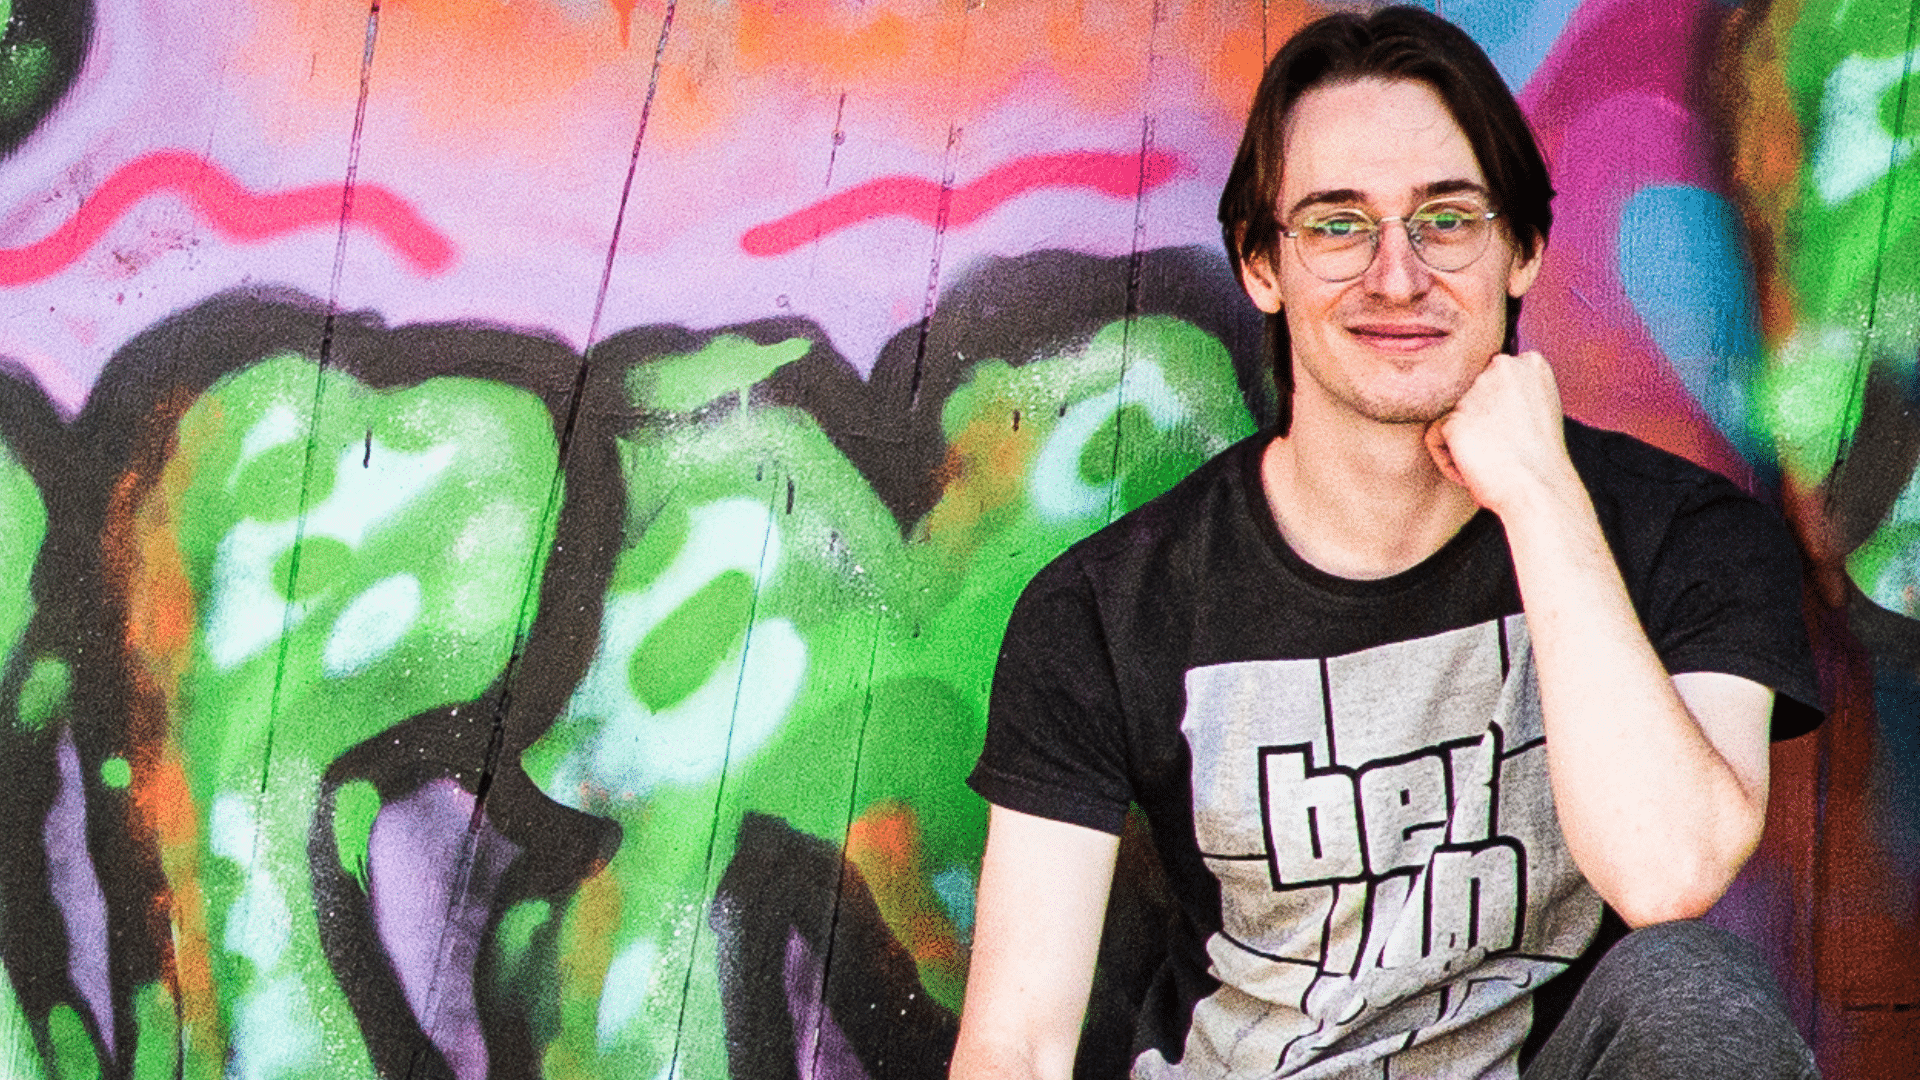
[1543, 496]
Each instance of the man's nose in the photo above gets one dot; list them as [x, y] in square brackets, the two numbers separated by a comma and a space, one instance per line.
[1397, 272]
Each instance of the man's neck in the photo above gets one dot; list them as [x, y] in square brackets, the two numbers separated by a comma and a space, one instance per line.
[1361, 500]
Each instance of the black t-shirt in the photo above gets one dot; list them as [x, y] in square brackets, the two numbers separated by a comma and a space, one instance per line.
[1347, 780]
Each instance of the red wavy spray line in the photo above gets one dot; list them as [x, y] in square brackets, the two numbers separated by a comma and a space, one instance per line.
[233, 211]
[1117, 174]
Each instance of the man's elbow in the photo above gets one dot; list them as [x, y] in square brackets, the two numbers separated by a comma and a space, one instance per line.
[1686, 885]
[1666, 906]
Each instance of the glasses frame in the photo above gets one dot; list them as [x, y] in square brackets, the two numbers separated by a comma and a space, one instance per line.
[1406, 222]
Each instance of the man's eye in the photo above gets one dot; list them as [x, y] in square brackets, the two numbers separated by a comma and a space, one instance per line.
[1339, 228]
[1446, 219]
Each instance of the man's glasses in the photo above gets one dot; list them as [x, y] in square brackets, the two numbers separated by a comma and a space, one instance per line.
[1339, 244]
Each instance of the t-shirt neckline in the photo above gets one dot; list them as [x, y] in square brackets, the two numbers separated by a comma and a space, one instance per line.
[1254, 495]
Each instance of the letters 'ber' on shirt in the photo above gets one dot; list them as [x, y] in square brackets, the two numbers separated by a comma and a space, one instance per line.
[1347, 780]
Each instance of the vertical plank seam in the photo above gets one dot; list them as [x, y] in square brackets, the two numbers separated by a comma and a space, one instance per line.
[353, 172]
[823, 1014]
[287, 620]
[313, 416]
[1136, 262]
[547, 534]
[928, 308]
[826, 186]
[941, 211]
[633, 169]
[463, 880]
[726, 768]
[1823, 864]
[1864, 359]
[932, 299]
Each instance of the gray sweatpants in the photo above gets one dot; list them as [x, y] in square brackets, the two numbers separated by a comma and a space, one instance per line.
[1676, 1001]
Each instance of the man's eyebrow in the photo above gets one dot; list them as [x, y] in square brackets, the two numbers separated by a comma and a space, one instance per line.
[1350, 197]
[1334, 197]
[1449, 187]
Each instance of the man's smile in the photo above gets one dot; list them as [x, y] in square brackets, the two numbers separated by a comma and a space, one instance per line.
[1397, 335]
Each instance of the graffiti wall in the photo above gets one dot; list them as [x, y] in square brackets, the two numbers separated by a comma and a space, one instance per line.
[507, 510]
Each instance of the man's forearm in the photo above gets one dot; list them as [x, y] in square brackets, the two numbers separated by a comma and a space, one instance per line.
[1655, 816]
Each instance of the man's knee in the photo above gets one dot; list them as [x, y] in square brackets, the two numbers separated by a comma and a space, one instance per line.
[1696, 989]
[1675, 957]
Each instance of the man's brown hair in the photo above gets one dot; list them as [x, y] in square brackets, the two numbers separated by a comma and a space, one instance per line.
[1403, 43]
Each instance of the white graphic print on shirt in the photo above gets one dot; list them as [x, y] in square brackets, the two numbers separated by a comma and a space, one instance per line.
[1393, 879]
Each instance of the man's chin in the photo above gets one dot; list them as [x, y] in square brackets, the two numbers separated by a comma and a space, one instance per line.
[1410, 413]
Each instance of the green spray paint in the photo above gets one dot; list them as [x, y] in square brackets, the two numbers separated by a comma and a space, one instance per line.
[74, 1056]
[26, 68]
[157, 1032]
[391, 584]
[116, 773]
[43, 693]
[771, 644]
[513, 941]
[733, 610]
[728, 366]
[1101, 430]
[355, 806]
[1809, 396]
[23, 528]
[1852, 250]
[1887, 565]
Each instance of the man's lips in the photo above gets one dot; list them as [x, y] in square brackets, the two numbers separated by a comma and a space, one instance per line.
[1397, 336]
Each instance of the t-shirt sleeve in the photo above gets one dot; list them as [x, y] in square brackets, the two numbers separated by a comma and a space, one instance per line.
[1055, 744]
[1725, 595]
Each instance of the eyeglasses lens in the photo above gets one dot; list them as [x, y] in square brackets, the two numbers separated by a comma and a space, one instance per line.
[1339, 245]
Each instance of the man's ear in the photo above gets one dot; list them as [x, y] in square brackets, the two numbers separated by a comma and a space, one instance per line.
[1259, 277]
[1521, 275]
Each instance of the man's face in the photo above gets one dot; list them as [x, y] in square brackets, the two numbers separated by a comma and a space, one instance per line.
[1401, 342]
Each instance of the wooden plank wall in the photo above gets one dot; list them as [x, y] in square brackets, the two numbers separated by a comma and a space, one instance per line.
[509, 508]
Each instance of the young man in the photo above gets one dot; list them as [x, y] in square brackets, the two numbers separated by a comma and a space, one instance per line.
[1428, 694]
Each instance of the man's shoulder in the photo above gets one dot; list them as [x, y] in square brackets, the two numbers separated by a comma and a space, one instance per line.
[1713, 571]
[1626, 474]
[1658, 508]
